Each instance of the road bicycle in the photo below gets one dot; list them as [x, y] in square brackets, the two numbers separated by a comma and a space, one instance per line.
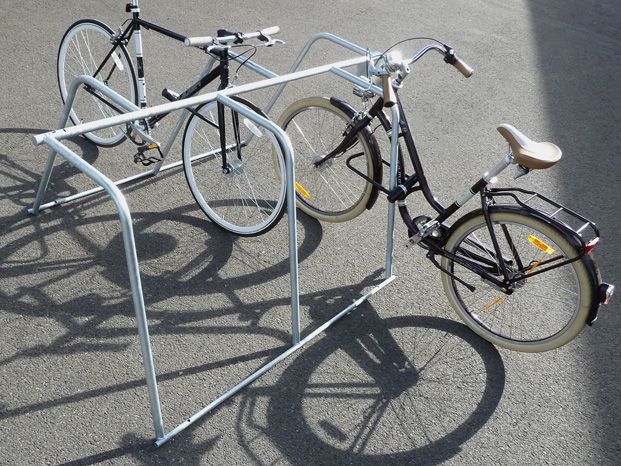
[519, 270]
[222, 156]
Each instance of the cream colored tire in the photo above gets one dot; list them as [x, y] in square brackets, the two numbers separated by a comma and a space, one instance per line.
[547, 310]
[331, 192]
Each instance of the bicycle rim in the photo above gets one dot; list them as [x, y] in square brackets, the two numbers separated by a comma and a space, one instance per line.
[331, 192]
[250, 199]
[546, 310]
[82, 49]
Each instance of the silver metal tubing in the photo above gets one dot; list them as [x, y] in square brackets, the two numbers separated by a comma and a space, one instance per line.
[252, 65]
[190, 102]
[424, 50]
[285, 144]
[73, 89]
[394, 151]
[314, 38]
[90, 192]
[499, 167]
[255, 375]
[132, 266]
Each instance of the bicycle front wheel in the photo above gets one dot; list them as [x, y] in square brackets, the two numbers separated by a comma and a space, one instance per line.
[248, 197]
[331, 192]
[546, 310]
[82, 50]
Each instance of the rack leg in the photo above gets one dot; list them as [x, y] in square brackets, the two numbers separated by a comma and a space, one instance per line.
[394, 151]
[134, 274]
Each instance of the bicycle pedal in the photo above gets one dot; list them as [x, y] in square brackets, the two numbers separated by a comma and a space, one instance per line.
[141, 157]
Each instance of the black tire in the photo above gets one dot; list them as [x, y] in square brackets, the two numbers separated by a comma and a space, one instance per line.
[82, 49]
[250, 200]
[546, 310]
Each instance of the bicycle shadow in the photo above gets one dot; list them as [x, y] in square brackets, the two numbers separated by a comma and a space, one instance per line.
[400, 390]
[24, 181]
[30, 261]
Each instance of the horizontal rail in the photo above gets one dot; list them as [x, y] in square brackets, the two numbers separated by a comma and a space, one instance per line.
[190, 102]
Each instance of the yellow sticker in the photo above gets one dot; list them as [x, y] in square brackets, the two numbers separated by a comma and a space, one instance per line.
[302, 191]
[497, 300]
[541, 245]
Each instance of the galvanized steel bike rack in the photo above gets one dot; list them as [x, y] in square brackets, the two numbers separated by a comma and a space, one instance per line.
[53, 140]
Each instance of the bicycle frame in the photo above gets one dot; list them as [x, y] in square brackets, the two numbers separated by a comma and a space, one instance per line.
[489, 270]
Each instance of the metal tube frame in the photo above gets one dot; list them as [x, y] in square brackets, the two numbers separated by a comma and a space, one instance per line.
[53, 138]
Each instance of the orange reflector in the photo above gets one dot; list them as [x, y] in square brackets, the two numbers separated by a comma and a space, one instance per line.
[152, 146]
[541, 245]
[302, 191]
[497, 300]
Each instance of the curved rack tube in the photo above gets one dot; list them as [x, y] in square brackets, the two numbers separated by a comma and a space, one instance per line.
[132, 267]
[285, 143]
[314, 38]
[73, 89]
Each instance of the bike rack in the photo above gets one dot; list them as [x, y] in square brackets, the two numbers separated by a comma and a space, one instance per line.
[53, 140]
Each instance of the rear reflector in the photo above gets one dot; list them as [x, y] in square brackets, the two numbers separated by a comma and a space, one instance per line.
[606, 291]
[589, 247]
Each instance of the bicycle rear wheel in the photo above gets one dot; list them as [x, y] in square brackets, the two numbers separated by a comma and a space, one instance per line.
[331, 192]
[82, 50]
[544, 311]
[250, 198]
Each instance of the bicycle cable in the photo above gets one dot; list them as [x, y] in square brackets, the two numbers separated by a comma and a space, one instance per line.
[253, 48]
[412, 38]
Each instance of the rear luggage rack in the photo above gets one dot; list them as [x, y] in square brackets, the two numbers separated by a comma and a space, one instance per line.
[581, 228]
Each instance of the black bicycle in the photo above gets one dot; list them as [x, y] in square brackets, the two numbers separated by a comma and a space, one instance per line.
[519, 270]
[224, 158]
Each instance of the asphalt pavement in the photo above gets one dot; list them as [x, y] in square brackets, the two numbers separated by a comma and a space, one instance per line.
[71, 379]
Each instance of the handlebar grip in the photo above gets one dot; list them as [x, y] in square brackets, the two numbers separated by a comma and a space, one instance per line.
[270, 31]
[198, 41]
[463, 67]
[390, 97]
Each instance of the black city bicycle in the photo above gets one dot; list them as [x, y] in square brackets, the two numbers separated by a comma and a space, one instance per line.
[519, 270]
[223, 157]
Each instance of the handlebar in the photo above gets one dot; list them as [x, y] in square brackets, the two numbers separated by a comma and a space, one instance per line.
[458, 63]
[393, 62]
[237, 37]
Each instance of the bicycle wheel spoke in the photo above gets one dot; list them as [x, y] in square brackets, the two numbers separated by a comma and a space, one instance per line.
[248, 196]
[330, 191]
[84, 43]
[539, 310]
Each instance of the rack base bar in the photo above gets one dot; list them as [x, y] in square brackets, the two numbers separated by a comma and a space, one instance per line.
[255, 375]
[90, 192]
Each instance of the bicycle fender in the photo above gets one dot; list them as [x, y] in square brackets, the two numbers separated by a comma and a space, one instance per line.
[373, 146]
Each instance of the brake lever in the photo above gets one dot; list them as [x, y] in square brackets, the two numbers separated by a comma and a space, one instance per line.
[268, 41]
